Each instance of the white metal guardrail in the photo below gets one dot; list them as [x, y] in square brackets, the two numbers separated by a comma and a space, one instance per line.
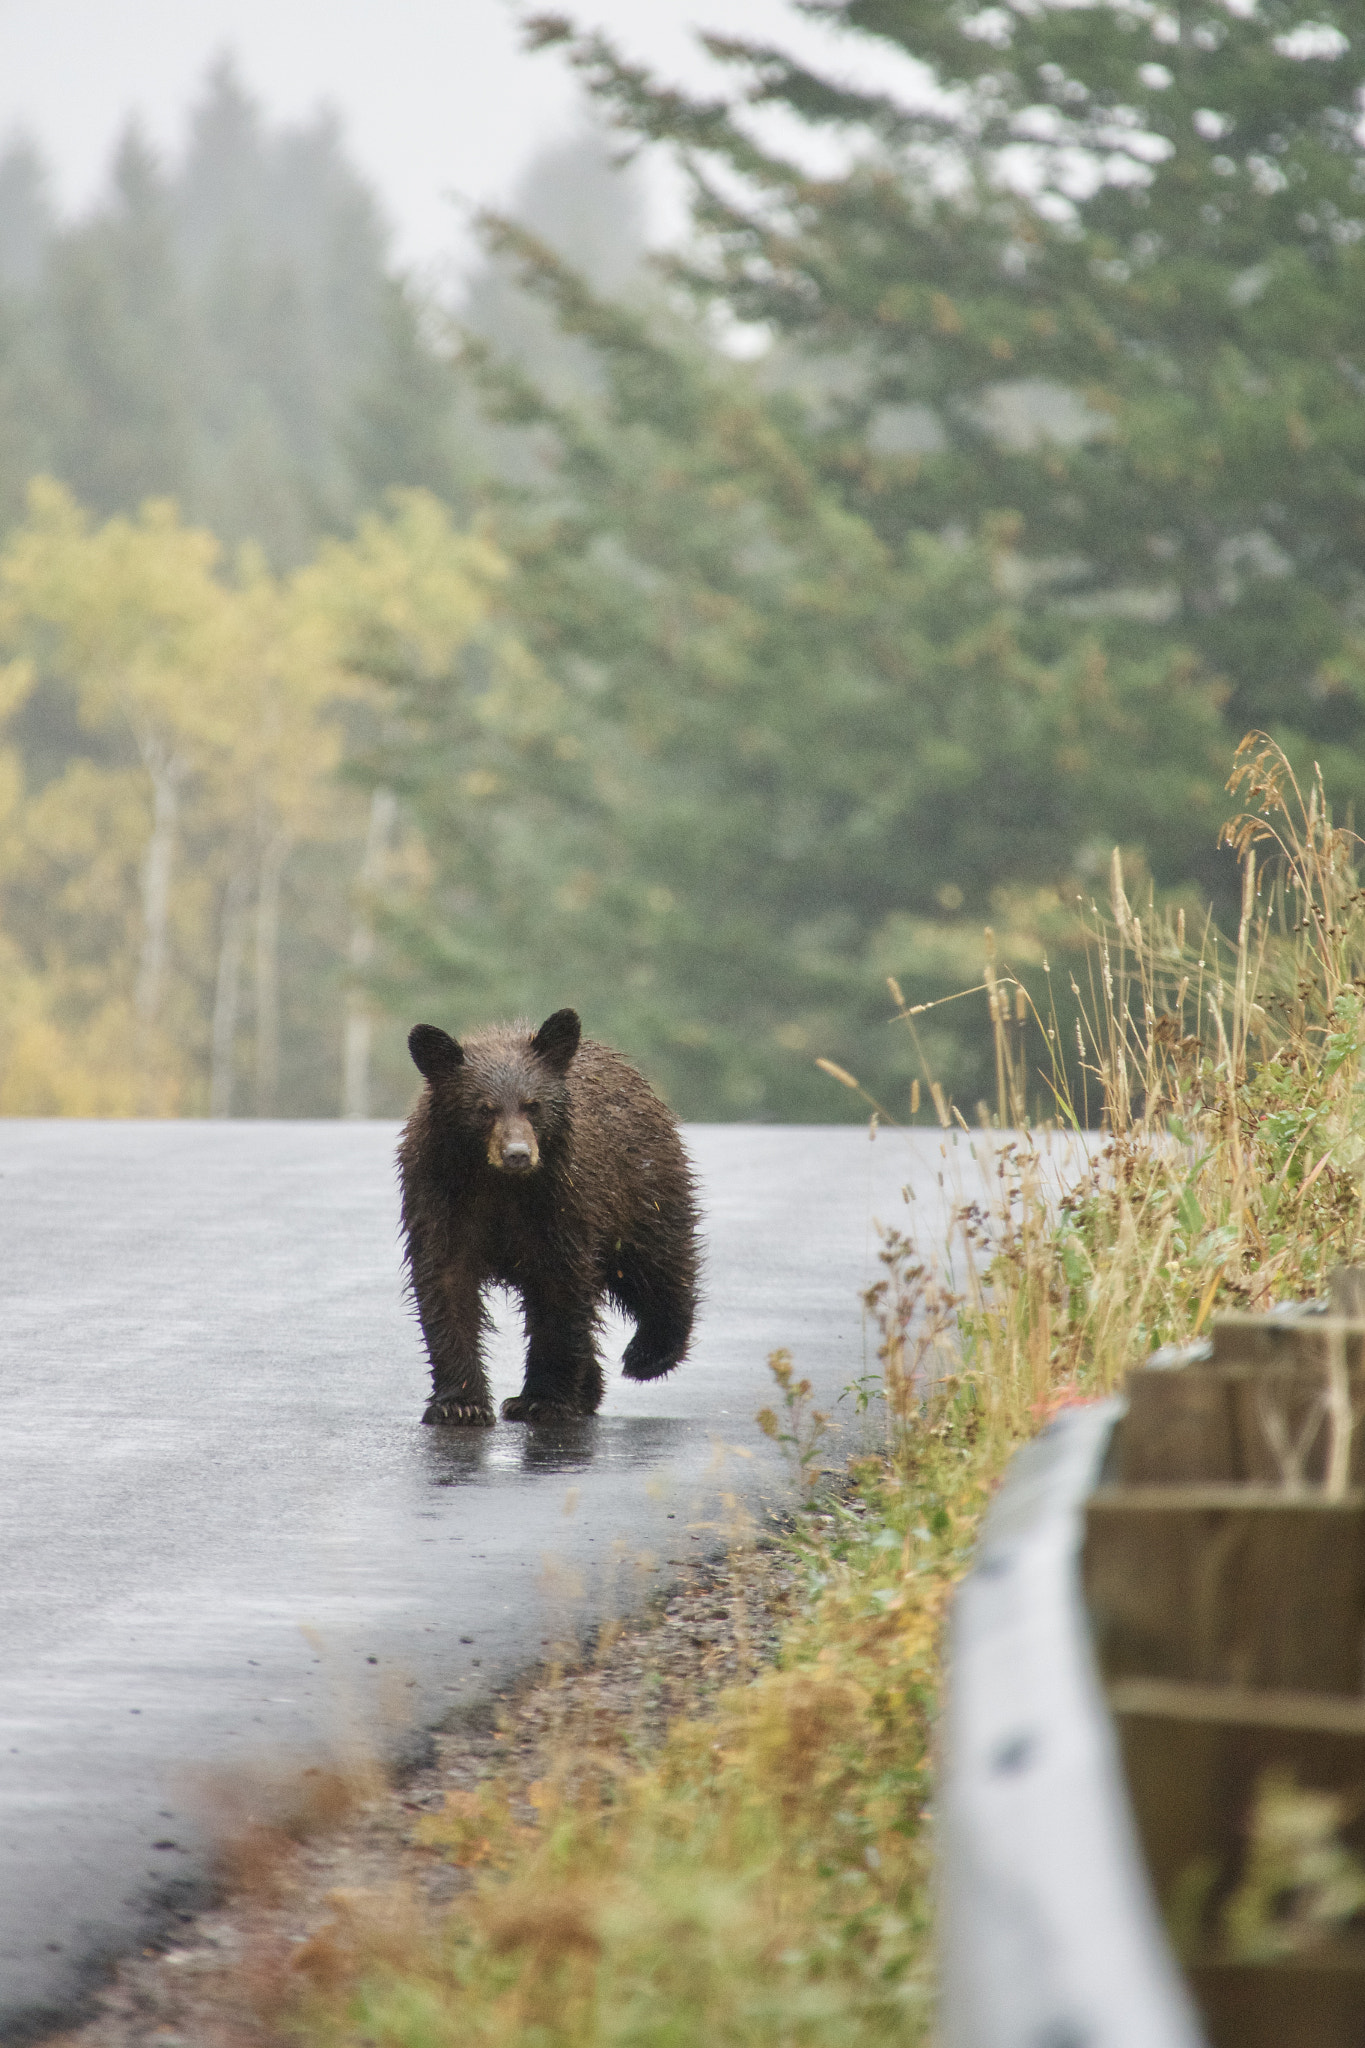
[1050, 1935]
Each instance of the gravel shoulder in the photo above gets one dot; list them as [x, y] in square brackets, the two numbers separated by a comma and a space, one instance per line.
[297, 1855]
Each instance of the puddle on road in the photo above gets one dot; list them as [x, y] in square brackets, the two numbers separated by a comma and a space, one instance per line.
[462, 1457]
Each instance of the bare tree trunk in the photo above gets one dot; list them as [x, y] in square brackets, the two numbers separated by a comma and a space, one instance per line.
[157, 865]
[227, 991]
[355, 1085]
[274, 854]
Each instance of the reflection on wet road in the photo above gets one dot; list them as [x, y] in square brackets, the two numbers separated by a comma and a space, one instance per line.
[226, 1536]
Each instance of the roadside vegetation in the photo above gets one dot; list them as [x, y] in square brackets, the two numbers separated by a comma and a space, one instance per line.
[764, 1875]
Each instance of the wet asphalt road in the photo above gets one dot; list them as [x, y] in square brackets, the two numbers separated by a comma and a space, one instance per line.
[227, 1542]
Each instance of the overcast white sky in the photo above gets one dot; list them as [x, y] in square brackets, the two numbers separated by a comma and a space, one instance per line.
[436, 95]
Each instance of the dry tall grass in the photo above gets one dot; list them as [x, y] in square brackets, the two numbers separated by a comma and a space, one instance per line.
[1223, 1078]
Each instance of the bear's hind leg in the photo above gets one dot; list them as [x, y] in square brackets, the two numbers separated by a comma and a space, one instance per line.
[563, 1371]
[662, 1306]
[591, 1386]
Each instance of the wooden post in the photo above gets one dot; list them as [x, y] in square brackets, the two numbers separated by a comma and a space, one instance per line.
[1161, 1649]
[1224, 1572]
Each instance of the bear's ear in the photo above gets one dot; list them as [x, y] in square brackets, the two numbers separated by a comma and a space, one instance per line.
[556, 1042]
[434, 1052]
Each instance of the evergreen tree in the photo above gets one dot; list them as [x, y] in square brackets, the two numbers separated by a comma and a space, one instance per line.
[589, 211]
[225, 330]
[26, 218]
[793, 741]
[405, 428]
[1156, 210]
[26, 230]
[284, 252]
[118, 415]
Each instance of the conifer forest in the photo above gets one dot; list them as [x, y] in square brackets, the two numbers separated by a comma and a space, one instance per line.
[702, 638]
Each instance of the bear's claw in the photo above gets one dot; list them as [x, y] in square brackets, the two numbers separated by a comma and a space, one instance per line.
[526, 1408]
[442, 1408]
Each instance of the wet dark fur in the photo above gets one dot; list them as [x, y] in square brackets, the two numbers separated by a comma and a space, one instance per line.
[608, 1209]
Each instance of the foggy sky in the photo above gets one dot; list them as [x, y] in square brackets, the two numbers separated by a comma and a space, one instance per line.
[436, 96]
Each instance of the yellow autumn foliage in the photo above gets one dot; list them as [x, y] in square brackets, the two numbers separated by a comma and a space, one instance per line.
[182, 857]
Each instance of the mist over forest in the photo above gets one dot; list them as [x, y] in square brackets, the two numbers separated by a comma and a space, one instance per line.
[370, 650]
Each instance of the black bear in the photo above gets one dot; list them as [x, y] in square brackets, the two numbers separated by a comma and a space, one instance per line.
[544, 1162]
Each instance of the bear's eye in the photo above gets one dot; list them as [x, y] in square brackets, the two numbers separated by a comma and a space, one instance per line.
[488, 1109]
[527, 1107]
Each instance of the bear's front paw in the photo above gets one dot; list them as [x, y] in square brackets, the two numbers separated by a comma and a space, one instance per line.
[446, 1408]
[535, 1408]
[647, 1362]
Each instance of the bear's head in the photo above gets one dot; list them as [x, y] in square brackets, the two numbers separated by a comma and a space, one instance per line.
[504, 1093]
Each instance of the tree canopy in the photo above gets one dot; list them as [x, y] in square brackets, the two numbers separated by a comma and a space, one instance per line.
[1107, 275]
[180, 858]
[701, 641]
[1045, 488]
[226, 330]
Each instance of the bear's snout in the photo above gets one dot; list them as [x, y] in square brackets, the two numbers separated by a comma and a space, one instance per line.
[513, 1148]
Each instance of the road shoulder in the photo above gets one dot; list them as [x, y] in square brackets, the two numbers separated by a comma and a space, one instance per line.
[299, 1857]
